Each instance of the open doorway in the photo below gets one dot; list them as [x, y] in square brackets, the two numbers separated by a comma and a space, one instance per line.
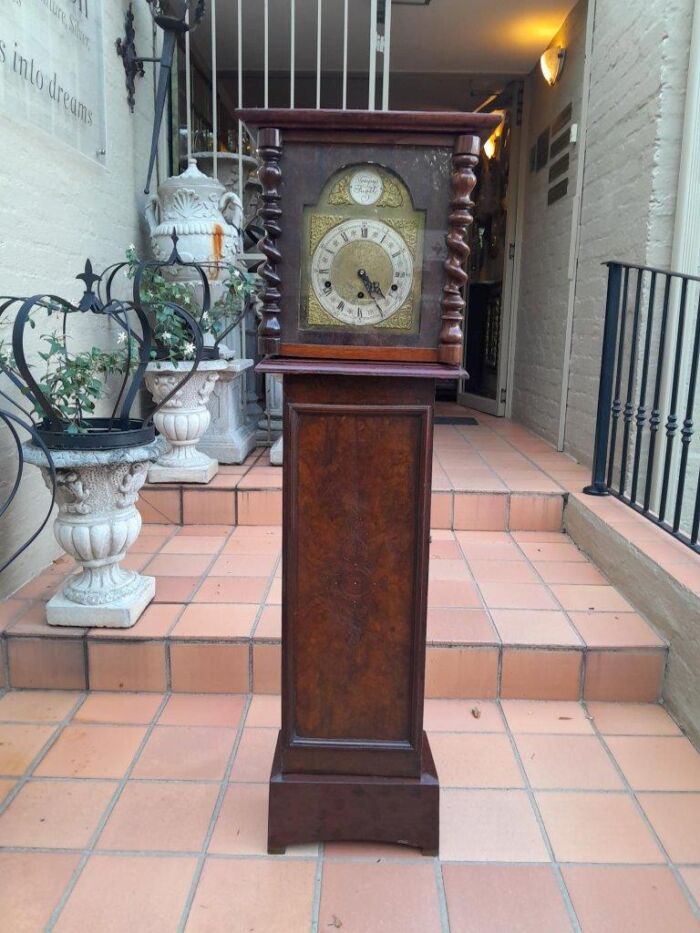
[489, 293]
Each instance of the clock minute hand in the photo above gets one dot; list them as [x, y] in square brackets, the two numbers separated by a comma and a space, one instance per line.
[373, 288]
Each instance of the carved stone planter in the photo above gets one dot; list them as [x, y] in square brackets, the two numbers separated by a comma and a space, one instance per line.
[97, 522]
[183, 420]
[229, 438]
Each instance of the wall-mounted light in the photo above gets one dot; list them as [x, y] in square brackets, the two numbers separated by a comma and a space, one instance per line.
[552, 63]
[492, 141]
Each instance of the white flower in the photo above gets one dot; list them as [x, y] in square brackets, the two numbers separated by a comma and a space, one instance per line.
[131, 247]
[166, 335]
[121, 338]
[205, 316]
[189, 350]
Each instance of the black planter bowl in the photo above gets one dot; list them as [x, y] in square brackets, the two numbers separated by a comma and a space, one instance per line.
[101, 434]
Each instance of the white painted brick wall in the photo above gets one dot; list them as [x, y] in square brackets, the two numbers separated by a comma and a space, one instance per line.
[639, 69]
[546, 232]
[58, 208]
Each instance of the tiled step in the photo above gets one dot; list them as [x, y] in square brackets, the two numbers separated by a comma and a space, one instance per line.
[661, 575]
[492, 476]
[245, 500]
[521, 615]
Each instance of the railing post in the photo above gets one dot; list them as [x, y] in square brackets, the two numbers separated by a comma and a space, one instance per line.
[598, 485]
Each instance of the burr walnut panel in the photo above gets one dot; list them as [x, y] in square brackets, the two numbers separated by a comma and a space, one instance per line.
[357, 496]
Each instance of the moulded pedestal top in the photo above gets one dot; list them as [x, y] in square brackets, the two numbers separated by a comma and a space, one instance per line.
[295, 366]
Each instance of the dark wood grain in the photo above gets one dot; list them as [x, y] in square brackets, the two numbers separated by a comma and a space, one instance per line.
[321, 351]
[389, 121]
[464, 160]
[307, 170]
[332, 367]
[356, 489]
[270, 174]
[355, 572]
[345, 808]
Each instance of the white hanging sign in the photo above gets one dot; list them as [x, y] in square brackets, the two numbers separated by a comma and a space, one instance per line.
[52, 69]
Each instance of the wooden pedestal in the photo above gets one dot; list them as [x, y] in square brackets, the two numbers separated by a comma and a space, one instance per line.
[352, 761]
[353, 808]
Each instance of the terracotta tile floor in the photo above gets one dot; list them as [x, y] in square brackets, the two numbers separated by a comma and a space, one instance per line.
[133, 812]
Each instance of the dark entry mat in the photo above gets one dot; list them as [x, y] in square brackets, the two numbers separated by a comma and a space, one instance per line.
[445, 419]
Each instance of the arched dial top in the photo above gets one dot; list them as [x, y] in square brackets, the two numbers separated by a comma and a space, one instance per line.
[363, 255]
[362, 272]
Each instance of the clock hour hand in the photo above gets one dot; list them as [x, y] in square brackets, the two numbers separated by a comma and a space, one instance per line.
[373, 288]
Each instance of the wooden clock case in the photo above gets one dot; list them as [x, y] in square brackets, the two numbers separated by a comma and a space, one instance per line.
[352, 761]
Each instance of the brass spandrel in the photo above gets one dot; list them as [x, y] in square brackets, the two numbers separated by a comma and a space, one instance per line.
[316, 316]
[340, 192]
[408, 230]
[392, 196]
[319, 225]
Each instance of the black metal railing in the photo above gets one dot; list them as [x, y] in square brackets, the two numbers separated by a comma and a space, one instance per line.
[648, 389]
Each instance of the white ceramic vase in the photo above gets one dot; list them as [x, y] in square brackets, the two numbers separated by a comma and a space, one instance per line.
[97, 522]
[183, 420]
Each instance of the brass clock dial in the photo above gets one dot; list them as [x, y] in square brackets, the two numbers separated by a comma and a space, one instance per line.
[362, 272]
[363, 254]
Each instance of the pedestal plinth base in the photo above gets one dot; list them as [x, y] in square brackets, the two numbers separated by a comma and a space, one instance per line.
[204, 470]
[120, 613]
[349, 808]
[231, 448]
[277, 452]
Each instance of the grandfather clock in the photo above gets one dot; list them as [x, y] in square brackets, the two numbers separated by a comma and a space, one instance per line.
[366, 216]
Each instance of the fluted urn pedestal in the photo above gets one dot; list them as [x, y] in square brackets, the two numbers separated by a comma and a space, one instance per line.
[183, 420]
[97, 522]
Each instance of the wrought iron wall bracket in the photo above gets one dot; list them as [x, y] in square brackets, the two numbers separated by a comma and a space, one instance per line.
[133, 63]
[175, 18]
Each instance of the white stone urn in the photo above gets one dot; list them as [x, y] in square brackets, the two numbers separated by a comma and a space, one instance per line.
[97, 522]
[227, 164]
[206, 218]
[183, 419]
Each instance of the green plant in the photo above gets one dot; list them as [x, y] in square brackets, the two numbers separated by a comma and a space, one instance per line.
[71, 382]
[172, 337]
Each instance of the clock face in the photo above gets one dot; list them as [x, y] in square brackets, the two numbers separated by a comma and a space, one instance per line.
[362, 271]
[362, 255]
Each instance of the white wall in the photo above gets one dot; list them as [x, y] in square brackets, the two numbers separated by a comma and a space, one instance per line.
[57, 209]
[544, 285]
[638, 73]
[638, 77]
